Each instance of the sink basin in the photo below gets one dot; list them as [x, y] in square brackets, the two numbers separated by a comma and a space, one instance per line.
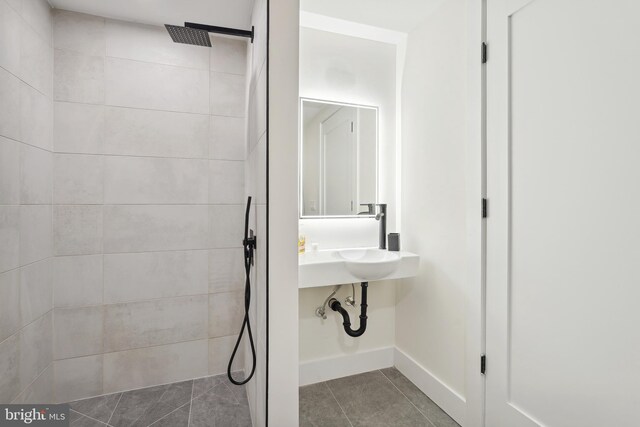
[369, 264]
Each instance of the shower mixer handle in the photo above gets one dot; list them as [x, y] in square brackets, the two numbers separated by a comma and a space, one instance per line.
[250, 244]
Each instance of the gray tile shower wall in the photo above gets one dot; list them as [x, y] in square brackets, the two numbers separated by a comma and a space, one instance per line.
[148, 193]
[26, 165]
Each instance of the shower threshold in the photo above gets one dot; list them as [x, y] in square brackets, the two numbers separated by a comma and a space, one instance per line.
[208, 401]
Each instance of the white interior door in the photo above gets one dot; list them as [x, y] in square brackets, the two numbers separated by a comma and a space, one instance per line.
[563, 233]
[339, 163]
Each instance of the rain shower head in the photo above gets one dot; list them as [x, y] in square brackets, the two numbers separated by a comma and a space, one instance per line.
[198, 34]
[187, 35]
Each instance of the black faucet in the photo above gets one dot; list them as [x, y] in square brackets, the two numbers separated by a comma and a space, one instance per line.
[382, 217]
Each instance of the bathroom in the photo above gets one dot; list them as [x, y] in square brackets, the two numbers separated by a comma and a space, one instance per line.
[319, 213]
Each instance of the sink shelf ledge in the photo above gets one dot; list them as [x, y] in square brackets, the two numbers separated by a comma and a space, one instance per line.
[339, 266]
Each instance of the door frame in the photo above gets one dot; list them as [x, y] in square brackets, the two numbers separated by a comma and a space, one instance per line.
[354, 181]
[475, 306]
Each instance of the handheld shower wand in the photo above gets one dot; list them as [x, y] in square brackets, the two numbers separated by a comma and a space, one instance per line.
[249, 244]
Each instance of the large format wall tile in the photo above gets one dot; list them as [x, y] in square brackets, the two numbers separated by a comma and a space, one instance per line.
[9, 172]
[220, 350]
[156, 322]
[9, 105]
[40, 390]
[154, 228]
[133, 226]
[261, 160]
[229, 55]
[226, 182]
[78, 378]
[9, 368]
[79, 33]
[149, 43]
[36, 171]
[35, 233]
[136, 132]
[36, 61]
[141, 276]
[10, 237]
[227, 140]
[77, 280]
[9, 304]
[78, 128]
[77, 230]
[226, 270]
[144, 180]
[36, 290]
[9, 38]
[144, 85]
[78, 331]
[226, 311]
[35, 349]
[36, 118]
[155, 365]
[78, 179]
[227, 94]
[79, 78]
[227, 226]
[37, 13]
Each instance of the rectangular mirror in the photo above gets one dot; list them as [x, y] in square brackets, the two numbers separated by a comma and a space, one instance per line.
[338, 159]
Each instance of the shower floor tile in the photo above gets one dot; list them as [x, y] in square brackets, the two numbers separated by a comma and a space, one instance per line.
[203, 402]
[383, 398]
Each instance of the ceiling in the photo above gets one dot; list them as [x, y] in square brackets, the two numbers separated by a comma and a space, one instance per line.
[397, 15]
[225, 13]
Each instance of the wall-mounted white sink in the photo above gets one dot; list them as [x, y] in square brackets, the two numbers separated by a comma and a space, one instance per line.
[338, 266]
[369, 264]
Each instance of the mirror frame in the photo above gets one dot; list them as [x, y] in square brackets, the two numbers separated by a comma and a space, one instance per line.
[301, 154]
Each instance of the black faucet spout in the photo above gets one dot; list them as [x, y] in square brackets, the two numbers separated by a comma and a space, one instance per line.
[382, 228]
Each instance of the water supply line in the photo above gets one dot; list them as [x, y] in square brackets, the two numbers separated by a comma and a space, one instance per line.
[249, 244]
[321, 311]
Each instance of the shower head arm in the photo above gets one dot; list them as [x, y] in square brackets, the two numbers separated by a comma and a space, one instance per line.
[221, 30]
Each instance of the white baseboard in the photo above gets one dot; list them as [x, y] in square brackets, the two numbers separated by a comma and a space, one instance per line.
[450, 401]
[315, 371]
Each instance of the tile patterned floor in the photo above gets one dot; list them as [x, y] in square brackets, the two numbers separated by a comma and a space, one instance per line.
[204, 402]
[384, 398]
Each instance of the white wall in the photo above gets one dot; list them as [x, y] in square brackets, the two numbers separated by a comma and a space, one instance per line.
[342, 68]
[148, 205]
[336, 67]
[283, 212]
[26, 143]
[430, 311]
[256, 186]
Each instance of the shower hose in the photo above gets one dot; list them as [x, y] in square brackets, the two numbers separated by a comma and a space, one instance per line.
[249, 244]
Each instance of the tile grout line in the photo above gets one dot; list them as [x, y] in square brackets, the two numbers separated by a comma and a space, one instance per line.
[114, 408]
[177, 409]
[339, 405]
[193, 386]
[154, 404]
[87, 416]
[405, 396]
[129, 107]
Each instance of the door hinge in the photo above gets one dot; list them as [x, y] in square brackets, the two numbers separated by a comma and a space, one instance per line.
[484, 53]
[483, 364]
[485, 209]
